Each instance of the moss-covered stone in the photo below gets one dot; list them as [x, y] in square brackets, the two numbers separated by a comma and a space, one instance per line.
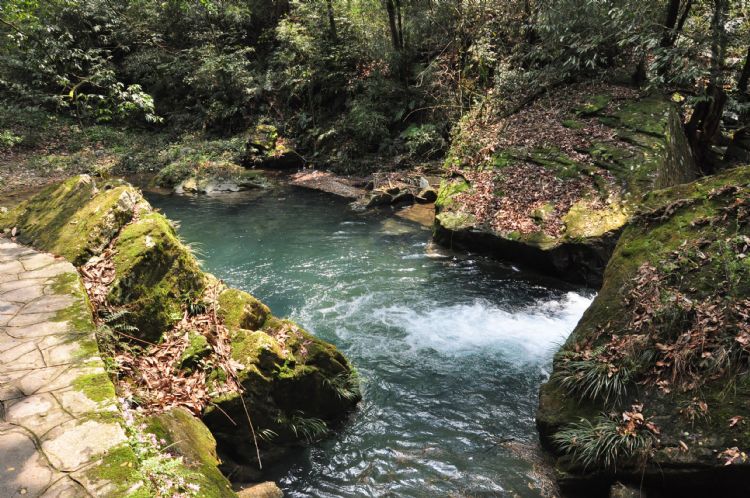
[96, 386]
[76, 218]
[598, 189]
[118, 473]
[156, 275]
[693, 238]
[187, 436]
[240, 310]
[267, 149]
[197, 349]
[289, 377]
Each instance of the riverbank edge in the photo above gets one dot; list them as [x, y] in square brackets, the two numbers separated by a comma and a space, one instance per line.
[82, 218]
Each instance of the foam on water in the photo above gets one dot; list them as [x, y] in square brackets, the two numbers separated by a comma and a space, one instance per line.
[467, 328]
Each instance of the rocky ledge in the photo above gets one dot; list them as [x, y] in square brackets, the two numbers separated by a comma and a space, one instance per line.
[555, 183]
[653, 386]
[180, 337]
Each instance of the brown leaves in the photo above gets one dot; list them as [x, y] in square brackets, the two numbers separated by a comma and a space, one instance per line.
[98, 274]
[735, 420]
[506, 200]
[634, 421]
[154, 376]
[732, 456]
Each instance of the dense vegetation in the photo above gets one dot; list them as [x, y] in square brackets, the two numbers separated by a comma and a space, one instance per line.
[359, 79]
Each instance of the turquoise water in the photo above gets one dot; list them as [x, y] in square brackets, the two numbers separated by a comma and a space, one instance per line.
[452, 349]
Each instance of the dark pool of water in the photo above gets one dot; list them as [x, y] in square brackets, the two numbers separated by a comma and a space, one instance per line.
[451, 349]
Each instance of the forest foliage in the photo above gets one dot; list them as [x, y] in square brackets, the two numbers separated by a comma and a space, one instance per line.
[347, 78]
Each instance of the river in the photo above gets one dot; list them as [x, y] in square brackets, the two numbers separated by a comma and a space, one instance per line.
[451, 348]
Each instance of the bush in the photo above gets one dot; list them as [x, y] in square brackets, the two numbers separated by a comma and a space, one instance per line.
[423, 140]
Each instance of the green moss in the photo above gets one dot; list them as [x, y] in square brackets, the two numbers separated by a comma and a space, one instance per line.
[120, 468]
[78, 314]
[593, 105]
[192, 440]
[584, 220]
[238, 309]
[97, 387]
[558, 162]
[455, 221]
[649, 115]
[155, 275]
[449, 189]
[573, 124]
[197, 349]
[75, 219]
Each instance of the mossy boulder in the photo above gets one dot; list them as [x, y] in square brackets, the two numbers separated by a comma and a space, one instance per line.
[240, 310]
[210, 177]
[560, 210]
[156, 275]
[189, 438]
[668, 334]
[297, 387]
[76, 218]
[266, 148]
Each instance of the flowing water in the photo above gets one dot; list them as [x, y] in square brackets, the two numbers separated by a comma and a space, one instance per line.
[452, 349]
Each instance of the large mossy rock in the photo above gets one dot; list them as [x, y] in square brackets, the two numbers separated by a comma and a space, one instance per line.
[75, 219]
[155, 275]
[659, 366]
[189, 438]
[296, 387]
[558, 210]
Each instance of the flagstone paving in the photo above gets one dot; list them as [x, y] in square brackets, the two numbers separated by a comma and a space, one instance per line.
[58, 412]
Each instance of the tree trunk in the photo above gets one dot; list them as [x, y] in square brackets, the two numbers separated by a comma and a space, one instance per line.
[391, 9]
[331, 21]
[398, 24]
[742, 81]
[670, 22]
[704, 124]
[718, 42]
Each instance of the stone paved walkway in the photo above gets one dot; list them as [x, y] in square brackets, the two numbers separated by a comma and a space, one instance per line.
[58, 413]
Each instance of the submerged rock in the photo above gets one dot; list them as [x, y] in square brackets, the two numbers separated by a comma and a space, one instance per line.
[262, 490]
[557, 210]
[652, 385]
[325, 181]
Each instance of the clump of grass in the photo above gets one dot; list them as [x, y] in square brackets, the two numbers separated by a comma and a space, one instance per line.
[345, 384]
[604, 443]
[310, 429]
[593, 376]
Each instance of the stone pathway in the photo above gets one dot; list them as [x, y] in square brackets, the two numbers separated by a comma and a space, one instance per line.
[58, 412]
